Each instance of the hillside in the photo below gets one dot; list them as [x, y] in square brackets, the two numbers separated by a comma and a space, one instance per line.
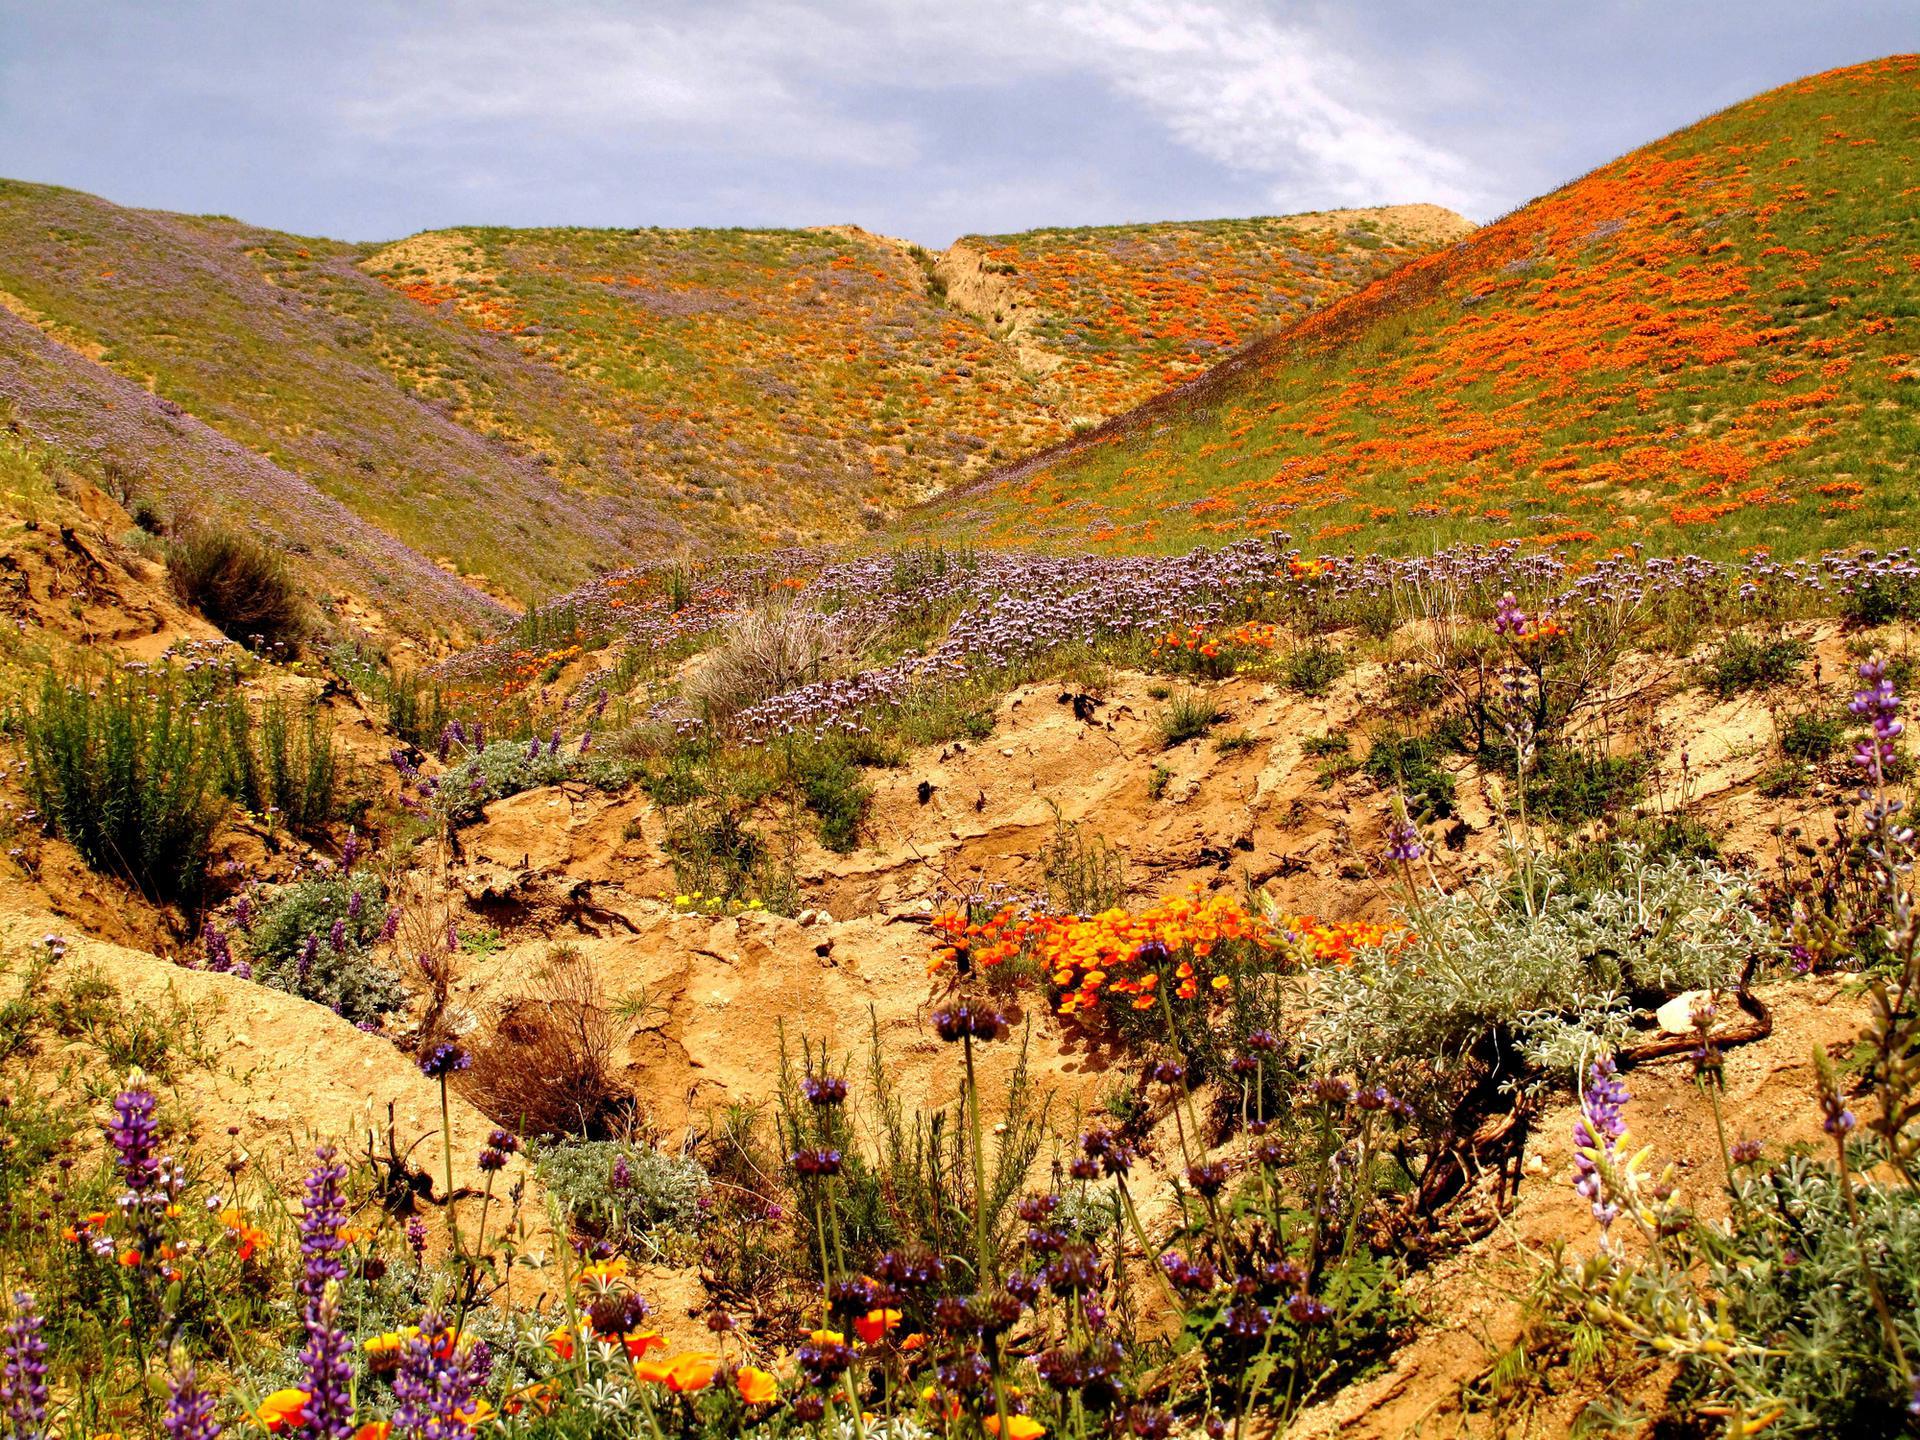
[1707, 344]
[526, 407]
[1112, 315]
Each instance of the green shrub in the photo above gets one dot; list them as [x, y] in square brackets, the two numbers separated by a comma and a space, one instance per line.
[1493, 979]
[244, 588]
[718, 855]
[508, 767]
[1081, 876]
[1573, 783]
[1746, 662]
[619, 1191]
[1790, 1271]
[830, 784]
[1410, 764]
[1312, 669]
[1187, 716]
[280, 763]
[1810, 736]
[293, 944]
[126, 771]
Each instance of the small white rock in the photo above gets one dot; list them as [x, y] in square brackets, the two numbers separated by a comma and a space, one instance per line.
[1676, 1016]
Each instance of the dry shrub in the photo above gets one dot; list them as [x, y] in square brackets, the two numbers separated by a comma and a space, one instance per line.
[767, 652]
[548, 1069]
[237, 583]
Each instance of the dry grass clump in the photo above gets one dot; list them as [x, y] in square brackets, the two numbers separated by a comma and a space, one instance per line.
[767, 652]
[548, 1068]
[237, 583]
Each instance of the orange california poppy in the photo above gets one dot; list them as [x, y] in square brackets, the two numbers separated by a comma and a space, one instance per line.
[756, 1387]
[691, 1371]
[283, 1410]
[871, 1326]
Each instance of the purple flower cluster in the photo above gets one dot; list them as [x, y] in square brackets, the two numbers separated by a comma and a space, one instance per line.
[1877, 704]
[433, 1386]
[327, 1355]
[1601, 1124]
[189, 1412]
[24, 1374]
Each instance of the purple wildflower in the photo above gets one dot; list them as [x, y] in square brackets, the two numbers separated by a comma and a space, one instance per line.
[443, 1060]
[189, 1412]
[432, 1386]
[25, 1371]
[1879, 706]
[1403, 843]
[219, 953]
[1601, 1124]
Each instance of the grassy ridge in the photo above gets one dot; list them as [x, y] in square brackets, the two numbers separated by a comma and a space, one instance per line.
[526, 407]
[1704, 345]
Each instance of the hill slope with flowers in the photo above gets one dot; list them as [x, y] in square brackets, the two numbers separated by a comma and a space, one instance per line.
[1112, 315]
[525, 407]
[1707, 344]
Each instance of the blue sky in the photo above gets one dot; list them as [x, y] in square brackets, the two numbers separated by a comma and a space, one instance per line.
[369, 119]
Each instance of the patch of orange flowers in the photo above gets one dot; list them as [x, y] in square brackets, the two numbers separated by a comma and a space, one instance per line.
[1179, 945]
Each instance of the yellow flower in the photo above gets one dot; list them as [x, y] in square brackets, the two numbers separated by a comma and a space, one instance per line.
[1019, 1427]
[602, 1274]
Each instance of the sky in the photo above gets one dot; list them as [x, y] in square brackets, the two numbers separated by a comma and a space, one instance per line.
[372, 119]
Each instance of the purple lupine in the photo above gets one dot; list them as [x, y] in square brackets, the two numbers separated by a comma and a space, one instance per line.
[432, 1386]
[25, 1370]
[1601, 1124]
[1403, 843]
[586, 742]
[417, 1238]
[356, 905]
[309, 953]
[349, 850]
[328, 1351]
[337, 936]
[327, 1356]
[214, 943]
[132, 1133]
[1877, 704]
[1509, 618]
[390, 927]
[553, 745]
[189, 1412]
[243, 913]
[453, 937]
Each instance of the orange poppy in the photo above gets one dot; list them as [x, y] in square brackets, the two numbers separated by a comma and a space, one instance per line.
[756, 1387]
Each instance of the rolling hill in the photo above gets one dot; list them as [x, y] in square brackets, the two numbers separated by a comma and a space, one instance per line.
[1112, 315]
[523, 408]
[1708, 344]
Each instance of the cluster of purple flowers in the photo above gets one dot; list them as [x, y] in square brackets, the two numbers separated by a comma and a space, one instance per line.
[23, 1378]
[1877, 704]
[1602, 1122]
[328, 1352]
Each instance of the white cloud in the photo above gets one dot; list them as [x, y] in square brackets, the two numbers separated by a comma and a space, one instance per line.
[1223, 79]
[1231, 83]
